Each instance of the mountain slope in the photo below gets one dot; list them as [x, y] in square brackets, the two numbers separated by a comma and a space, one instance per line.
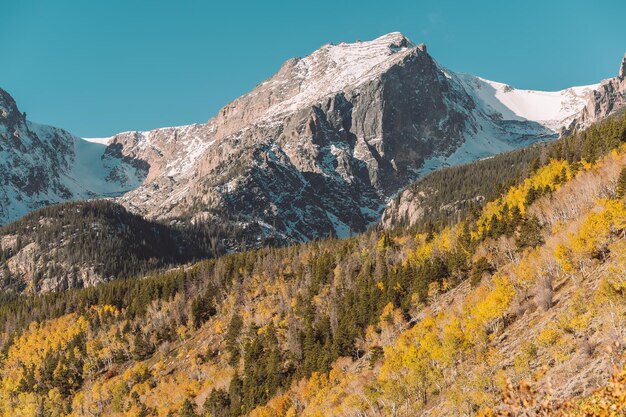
[449, 194]
[609, 96]
[80, 244]
[400, 324]
[42, 165]
[463, 190]
[550, 109]
[318, 148]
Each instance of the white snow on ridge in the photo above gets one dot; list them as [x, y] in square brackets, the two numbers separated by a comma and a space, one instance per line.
[78, 170]
[333, 68]
[100, 141]
[552, 109]
[90, 170]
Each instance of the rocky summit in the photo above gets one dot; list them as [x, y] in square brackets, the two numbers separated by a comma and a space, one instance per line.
[318, 148]
[609, 96]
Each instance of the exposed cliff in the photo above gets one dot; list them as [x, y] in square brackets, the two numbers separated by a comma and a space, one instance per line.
[318, 148]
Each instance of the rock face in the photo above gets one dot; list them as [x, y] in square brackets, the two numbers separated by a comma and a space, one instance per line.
[41, 165]
[580, 107]
[609, 96]
[318, 148]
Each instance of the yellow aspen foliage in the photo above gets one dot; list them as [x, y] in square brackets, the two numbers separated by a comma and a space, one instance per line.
[549, 177]
[563, 256]
[525, 357]
[491, 306]
[382, 243]
[25, 406]
[527, 270]
[453, 340]
[434, 289]
[424, 250]
[549, 337]
[611, 294]
[387, 313]
[408, 367]
[577, 317]
[598, 226]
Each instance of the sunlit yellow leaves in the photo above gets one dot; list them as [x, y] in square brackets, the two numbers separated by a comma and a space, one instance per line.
[563, 256]
[549, 177]
[595, 230]
[491, 305]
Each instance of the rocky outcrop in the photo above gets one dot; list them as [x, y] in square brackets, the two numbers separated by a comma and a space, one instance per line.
[609, 97]
[416, 201]
[80, 244]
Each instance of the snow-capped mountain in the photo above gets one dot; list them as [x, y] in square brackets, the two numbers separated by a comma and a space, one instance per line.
[41, 165]
[565, 111]
[320, 147]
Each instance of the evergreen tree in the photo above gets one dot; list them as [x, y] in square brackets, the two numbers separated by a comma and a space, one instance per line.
[187, 409]
[235, 395]
[232, 336]
[529, 234]
[202, 308]
[142, 347]
[479, 268]
[217, 404]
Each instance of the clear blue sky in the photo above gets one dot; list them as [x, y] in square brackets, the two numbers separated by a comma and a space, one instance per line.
[98, 67]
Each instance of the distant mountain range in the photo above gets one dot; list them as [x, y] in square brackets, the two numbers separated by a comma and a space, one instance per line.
[316, 150]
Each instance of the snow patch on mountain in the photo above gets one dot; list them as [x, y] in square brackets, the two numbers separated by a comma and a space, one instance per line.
[100, 141]
[333, 68]
[42, 165]
[552, 109]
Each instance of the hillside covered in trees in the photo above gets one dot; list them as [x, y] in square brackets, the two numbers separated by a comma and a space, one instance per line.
[446, 196]
[85, 243]
[518, 308]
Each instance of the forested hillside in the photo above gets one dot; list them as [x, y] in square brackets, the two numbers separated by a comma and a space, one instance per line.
[446, 196]
[521, 299]
[85, 243]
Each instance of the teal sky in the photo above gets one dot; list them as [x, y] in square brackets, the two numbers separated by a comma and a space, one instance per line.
[98, 67]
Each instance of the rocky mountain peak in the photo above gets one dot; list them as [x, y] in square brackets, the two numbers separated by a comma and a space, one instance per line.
[7, 102]
[607, 97]
[41, 165]
[392, 40]
[10, 116]
[304, 82]
[319, 147]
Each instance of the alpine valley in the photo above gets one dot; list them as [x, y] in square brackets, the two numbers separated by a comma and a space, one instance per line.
[365, 233]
